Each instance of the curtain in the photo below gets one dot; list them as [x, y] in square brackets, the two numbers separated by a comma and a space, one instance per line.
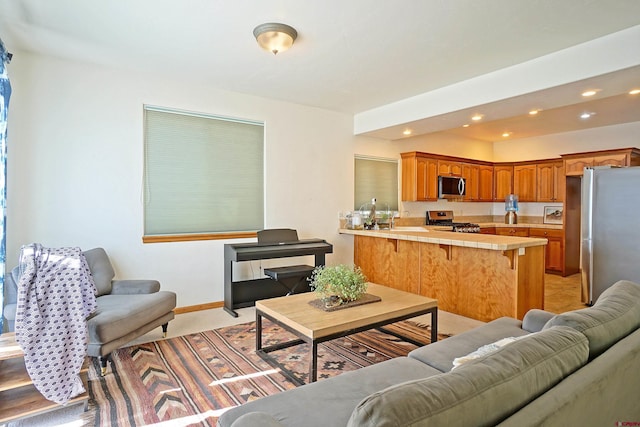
[5, 93]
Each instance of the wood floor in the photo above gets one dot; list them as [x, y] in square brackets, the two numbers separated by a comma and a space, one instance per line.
[562, 293]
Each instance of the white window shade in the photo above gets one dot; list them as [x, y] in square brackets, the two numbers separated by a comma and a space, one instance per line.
[203, 174]
[376, 177]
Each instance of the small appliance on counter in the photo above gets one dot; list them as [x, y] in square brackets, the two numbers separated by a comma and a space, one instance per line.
[445, 218]
[511, 206]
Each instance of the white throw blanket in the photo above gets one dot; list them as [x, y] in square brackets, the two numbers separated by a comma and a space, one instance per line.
[56, 294]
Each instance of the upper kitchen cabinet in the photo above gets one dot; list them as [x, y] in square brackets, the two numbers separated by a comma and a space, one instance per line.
[502, 181]
[574, 164]
[550, 180]
[419, 177]
[524, 182]
[479, 182]
[448, 167]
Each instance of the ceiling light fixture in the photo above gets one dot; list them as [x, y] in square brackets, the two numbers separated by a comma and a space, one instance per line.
[589, 93]
[534, 112]
[407, 132]
[477, 117]
[634, 91]
[586, 115]
[506, 134]
[275, 37]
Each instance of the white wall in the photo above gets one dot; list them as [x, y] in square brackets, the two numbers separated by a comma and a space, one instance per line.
[75, 157]
[552, 146]
[75, 162]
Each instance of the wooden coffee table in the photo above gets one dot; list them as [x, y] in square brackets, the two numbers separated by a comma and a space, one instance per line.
[313, 325]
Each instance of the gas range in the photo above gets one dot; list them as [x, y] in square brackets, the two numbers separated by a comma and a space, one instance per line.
[445, 218]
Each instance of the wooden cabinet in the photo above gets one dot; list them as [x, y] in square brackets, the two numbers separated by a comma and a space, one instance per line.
[485, 183]
[512, 231]
[448, 167]
[502, 181]
[487, 230]
[427, 179]
[550, 180]
[471, 174]
[576, 166]
[419, 178]
[541, 181]
[524, 182]
[575, 163]
[479, 182]
[554, 252]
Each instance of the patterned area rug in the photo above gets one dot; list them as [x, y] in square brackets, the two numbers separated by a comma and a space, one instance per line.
[191, 380]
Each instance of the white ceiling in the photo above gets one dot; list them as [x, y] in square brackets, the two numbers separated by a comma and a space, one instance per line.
[350, 56]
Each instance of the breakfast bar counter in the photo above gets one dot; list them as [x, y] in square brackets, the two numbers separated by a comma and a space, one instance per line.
[475, 275]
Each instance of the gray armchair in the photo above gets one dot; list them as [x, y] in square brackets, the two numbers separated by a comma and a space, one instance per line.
[126, 309]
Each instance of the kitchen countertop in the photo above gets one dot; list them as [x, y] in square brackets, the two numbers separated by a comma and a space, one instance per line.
[442, 237]
[525, 225]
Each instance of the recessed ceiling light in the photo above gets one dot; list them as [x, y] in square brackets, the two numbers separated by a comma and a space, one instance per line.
[589, 93]
[477, 117]
[634, 91]
[586, 115]
[466, 125]
[534, 112]
[506, 134]
[407, 132]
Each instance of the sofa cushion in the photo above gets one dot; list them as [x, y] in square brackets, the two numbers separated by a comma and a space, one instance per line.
[256, 419]
[101, 270]
[441, 354]
[482, 392]
[117, 315]
[330, 402]
[615, 315]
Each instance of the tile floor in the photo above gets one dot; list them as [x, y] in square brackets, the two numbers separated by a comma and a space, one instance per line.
[562, 293]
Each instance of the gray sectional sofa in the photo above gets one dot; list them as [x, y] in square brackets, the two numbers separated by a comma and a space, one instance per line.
[576, 368]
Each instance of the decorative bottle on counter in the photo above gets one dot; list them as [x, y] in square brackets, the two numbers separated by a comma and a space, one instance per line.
[372, 215]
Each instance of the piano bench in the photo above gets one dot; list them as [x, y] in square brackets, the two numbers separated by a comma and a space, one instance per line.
[291, 276]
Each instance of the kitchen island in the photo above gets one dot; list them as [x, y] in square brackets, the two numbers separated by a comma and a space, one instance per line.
[480, 276]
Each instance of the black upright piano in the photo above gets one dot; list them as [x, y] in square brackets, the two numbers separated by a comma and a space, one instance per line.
[245, 293]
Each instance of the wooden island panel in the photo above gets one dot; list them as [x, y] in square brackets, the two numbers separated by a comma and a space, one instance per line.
[389, 262]
[437, 277]
[482, 283]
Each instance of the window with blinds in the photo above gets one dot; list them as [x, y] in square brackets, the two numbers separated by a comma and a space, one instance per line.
[376, 177]
[202, 174]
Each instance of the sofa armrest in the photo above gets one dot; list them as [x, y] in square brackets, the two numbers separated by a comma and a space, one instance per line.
[131, 287]
[256, 419]
[535, 320]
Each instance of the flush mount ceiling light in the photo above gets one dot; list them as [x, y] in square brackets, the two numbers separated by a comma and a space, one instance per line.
[477, 117]
[275, 37]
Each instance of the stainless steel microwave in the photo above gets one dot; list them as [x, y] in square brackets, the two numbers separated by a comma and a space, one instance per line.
[451, 187]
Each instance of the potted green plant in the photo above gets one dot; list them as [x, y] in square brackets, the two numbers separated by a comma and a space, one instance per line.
[338, 284]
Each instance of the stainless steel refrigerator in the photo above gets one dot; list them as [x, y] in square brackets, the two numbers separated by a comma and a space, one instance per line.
[610, 229]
